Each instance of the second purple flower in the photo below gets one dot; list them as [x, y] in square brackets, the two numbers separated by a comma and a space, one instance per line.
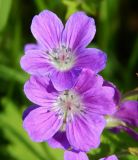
[60, 52]
[78, 112]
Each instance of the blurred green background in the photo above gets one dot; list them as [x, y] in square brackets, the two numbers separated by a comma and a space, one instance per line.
[117, 35]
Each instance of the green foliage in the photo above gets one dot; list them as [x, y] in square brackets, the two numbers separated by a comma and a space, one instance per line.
[113, 144]
[5, 6]
[71, 7]
[13, 75]
[111, 21]
[21, 147]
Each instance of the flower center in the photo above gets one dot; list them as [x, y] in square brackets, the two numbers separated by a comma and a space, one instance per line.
[62, 58]
[68, 104]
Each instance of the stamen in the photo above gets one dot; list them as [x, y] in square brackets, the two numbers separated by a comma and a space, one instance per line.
[68, 105]
[62, 58]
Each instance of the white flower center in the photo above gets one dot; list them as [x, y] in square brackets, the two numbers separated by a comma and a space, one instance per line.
[68, 104]
[62, 58]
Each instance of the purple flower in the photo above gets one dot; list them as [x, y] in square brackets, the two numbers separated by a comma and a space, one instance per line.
[113, 157]
[74, 155]
[59, 140]
[125, 117]
[117, 95]
[60, 52]
[78, 113]
[128, 113]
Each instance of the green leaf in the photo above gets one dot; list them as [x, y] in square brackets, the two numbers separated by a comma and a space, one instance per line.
[12, 75]
[71, 6]
[5, 6]
[133, 150]
[134, 56]
[21, 146]
[118, 144]
[131, 95]
[41, 5]
[108, 23]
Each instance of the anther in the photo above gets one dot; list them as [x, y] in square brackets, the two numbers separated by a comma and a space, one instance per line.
[63, 46]
[66, 93]
[61, 99]
[72, 96]
[77, 106]
[54, 50]
[57, 114]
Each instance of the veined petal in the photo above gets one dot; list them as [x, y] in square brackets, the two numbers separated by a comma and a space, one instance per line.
[47, 28]
[36, 62]
[91, 58]
[95, 97]
[73, 155]
[101, 101]
[59, 140]
[62, 80]
[113, 157]
[128, 112]
[83, 132]
[79, 31]
[28, 110]
[40, 91]
[88, 80]
[41, 124]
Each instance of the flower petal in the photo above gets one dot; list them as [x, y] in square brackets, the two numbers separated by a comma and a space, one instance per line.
[41, 124]
[72, 155]
[96, 97]
[128, 112]
[31, 46]
[79, 31]
[131, 132]
[117, 95]
[87, 80]
[40, 91]
[36, 62]
[47, 28]
[28, 110]
[101, 101]
[59, 140]
[62, 80]
[91, 58]
[113, 157]
[84, 131]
